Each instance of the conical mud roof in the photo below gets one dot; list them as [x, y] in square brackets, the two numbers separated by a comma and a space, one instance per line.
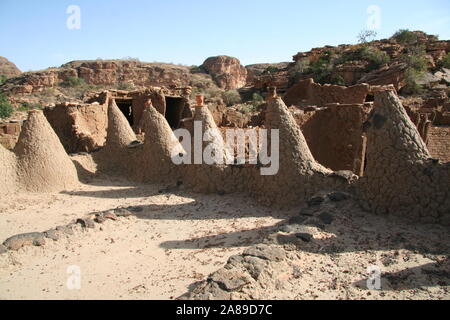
[391, 134]
[43, 164]
[212, 133]
[159, 146]
[293, 149]
[119, 133]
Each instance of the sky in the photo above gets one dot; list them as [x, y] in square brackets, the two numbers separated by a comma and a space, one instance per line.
[47, 33]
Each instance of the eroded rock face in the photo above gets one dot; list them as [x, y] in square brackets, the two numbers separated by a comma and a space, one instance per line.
[8, 69]
[393, 74]
[227, 72]
[103, 73]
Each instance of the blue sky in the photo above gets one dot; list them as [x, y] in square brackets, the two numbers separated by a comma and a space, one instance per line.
[34, 34]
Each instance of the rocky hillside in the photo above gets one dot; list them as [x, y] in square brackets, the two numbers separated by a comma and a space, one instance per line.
[72, 80]
[412, 61]
[8, 69]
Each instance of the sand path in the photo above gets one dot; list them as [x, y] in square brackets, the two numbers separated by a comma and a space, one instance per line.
[177, 239]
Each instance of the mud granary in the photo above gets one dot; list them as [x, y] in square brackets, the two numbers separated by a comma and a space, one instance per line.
[400, 176]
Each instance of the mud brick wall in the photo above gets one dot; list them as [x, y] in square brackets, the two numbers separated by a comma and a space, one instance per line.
[439, 142]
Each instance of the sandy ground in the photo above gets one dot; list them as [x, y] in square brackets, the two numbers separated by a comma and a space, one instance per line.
[153, 255]
[180, 237]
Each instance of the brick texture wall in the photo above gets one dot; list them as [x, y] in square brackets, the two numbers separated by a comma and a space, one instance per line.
[439, 142]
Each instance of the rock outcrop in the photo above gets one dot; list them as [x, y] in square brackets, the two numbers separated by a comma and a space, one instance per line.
[8, 69]
[101, 73]
[227, 72]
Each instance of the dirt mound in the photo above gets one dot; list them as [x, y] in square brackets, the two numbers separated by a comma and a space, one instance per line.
[43, 164]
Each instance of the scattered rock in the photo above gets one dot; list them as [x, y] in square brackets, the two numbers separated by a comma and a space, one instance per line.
[86, 223]
[230, 280]
[293, 228]
[297, 220]
[205, 290]
[122, 212]
[99, 219]
[26, 239]
[304, 236]
[255, 266]
[338, 196]
[307, 211]
[52, 234]
[66, 229]
[266, 252]
[326, 217]
[110, 215]
[316, 201]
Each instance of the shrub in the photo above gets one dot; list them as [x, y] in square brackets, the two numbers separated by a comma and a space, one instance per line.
[257, 99]
[125, 86]
[231, 97]
[417, 64]
[374, 56]
[73, 82]
[197, 69]
[28, 106]
[3, 79]
[446, 61]
[322, 71]
[271, 69]
[247, 108]
[6, 109]
[411, 78]
[405, 36]
[366, 36]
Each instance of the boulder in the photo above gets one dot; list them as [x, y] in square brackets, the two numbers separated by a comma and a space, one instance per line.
[26, 239]
[227, 72]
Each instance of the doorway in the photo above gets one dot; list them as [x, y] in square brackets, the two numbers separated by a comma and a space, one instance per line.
[126, 106]
[174, 111]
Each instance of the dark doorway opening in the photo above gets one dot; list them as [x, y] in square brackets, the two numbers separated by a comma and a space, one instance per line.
[370, 98]
[126, 106]
[174, 111]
